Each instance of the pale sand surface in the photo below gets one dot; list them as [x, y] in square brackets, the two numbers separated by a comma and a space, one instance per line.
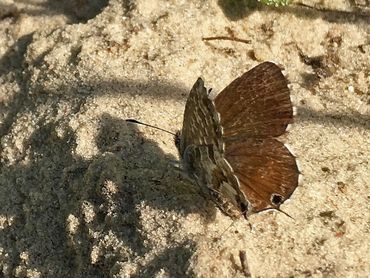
[83, 194]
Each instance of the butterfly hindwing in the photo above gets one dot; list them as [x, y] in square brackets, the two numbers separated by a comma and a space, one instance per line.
[267, 171]
[207, 166]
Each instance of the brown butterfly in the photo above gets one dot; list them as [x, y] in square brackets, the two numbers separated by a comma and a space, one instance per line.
[229, 146]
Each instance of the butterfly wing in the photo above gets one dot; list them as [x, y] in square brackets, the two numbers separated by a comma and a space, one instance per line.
[257, 104]
[266, 170]
[214, 175]
[254, 109]
[201, 125]
[201, 149]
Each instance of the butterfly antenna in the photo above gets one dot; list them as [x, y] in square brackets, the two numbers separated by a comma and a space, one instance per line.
[152, 126]
[283, 212]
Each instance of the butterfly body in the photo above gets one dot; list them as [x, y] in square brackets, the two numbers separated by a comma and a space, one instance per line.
[229, 146]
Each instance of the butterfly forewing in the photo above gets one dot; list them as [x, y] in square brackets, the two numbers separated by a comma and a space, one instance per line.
[201, 124]
[257, 104]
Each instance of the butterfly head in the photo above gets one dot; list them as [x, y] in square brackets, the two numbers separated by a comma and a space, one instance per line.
[245, 210]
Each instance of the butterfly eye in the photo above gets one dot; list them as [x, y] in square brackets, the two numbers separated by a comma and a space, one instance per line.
[276, 199]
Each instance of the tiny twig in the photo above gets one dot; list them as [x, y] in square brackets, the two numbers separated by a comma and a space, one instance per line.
[226, 39]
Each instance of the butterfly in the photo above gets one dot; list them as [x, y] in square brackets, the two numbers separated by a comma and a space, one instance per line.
[228, 144]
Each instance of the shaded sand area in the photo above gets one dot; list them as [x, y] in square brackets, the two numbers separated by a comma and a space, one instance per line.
[83, 194]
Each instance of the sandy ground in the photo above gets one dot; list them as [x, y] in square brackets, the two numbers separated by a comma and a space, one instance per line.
[83, 194]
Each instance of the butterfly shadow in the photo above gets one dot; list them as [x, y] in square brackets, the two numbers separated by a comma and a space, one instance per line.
[146, 179]
[65, 206]
[156, 177]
